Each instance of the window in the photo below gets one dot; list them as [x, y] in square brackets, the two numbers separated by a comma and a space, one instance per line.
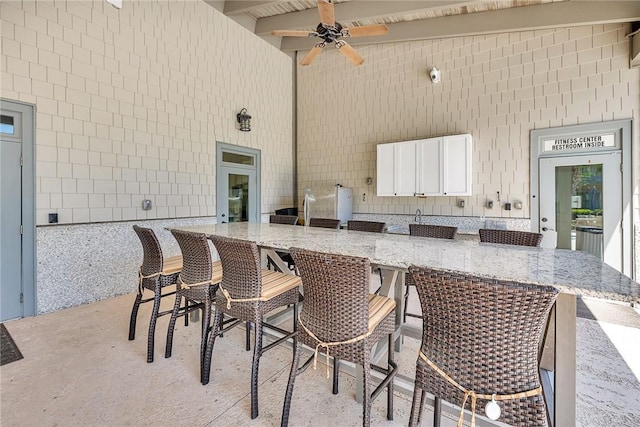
[7, 125]
[240, 159]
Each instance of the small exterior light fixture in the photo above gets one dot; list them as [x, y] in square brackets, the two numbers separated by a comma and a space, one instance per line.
[245, 120]
[434, 74]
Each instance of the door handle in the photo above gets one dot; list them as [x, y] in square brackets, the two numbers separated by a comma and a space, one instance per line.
[547, 229]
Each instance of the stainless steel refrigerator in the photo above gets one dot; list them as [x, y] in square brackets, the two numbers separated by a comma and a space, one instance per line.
[328, 202]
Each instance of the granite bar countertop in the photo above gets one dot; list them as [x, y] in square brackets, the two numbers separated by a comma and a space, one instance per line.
[569, 271]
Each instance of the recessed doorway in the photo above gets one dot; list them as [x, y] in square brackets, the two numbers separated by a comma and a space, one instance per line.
[581, 190]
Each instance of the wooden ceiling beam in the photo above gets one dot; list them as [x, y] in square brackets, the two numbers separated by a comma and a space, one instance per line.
[525, 18]
[349, 12]
[237, 7]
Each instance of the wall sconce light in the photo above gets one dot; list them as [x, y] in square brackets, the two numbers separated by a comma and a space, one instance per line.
[245, 120]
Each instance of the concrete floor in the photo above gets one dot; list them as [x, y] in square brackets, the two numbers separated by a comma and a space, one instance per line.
[80, 369]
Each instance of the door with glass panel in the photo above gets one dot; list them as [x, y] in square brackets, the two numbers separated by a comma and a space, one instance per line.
[17, 218]
[581, 205]
[237, 184]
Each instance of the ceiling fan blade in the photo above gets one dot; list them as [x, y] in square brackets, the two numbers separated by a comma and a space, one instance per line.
[346, 49]
[293, 33]
[366, 30]
[327, 14]
[309, 57]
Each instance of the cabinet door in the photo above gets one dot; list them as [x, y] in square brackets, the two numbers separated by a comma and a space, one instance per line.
[429, 152]
[385, 171]
[457, 165]
[405, 165]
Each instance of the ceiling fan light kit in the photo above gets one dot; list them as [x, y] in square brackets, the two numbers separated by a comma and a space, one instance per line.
[331, 31]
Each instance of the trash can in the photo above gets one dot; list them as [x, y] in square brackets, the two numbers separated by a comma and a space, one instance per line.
[589, 239]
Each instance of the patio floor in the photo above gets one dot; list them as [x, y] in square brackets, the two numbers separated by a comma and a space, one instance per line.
[80, 369]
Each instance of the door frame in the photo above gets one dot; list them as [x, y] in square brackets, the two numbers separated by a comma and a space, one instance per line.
[28, 254]
[621, 129]
[225, 168]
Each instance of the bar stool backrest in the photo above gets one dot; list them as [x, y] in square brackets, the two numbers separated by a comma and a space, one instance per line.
[283, 219]
[510, 237]
[336, 292]
[196, 256]
[324, 223]
[370, 226]
[434, 231]
[485, 335]
[152, 252]
[240, 259]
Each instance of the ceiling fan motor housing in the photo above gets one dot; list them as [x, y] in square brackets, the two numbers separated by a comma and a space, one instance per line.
[329, 33]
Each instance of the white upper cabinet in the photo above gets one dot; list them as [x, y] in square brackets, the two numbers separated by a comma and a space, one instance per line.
[429, 155]
[457, 160]
[426, 167]
[385, 170]
[405, 168]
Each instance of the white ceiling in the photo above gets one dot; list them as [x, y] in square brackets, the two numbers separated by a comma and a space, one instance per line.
[423, 19]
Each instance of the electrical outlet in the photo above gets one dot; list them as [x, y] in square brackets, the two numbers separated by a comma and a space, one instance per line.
[53, 218]
[489, 204]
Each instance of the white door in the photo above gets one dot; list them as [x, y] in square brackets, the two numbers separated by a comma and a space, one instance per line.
[581, 205]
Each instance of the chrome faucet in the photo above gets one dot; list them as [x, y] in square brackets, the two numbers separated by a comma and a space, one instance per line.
[418, 217]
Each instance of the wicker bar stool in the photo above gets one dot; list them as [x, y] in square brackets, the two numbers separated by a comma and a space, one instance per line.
[510, 237]
[247, 293]
[480, 342]
[341, 319]
[156, 273]
[286, 220]
[283, 219]
[370, 226]
[197, 283]
[434, 232]
[324, 223]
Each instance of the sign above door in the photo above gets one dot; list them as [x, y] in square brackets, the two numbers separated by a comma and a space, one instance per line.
[580, 143]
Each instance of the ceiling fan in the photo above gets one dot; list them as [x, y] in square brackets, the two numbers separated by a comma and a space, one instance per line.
[331, 31]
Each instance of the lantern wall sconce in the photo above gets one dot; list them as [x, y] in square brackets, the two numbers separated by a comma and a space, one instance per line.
[245, 120]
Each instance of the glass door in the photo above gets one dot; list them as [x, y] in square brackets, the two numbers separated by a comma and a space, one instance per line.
[238, 191]
[581, 205]
[237, 184]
